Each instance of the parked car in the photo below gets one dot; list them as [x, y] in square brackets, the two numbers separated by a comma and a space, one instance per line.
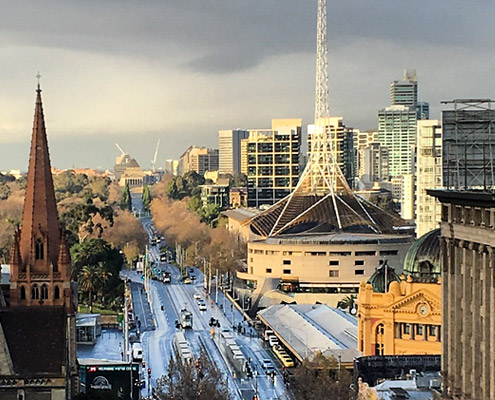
[267, 365]
[137, 352]
[187, 281]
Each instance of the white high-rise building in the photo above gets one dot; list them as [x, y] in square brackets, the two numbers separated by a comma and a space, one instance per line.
[373, 164]
[428, 175]
[229, 150]
[407, 199]
[397, 131]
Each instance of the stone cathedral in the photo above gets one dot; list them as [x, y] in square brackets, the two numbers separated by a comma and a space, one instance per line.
[37, 319]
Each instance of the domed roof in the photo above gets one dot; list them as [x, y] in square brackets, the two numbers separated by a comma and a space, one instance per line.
[422, 260]
[383, 276]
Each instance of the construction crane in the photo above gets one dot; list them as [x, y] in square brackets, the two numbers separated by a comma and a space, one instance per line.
[120, 148]
[154, 158]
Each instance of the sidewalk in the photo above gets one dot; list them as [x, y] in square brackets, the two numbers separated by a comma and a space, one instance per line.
[234, 316]
[142, 310]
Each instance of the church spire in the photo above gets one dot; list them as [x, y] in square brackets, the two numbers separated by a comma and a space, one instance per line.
[40, 237]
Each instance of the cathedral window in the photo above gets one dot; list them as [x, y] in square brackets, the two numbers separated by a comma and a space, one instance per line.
[56, 293]
[44, 292]
[23, 293]
[35, 292]
[39, 250]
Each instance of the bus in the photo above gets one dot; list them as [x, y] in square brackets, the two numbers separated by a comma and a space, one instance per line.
[182, 348]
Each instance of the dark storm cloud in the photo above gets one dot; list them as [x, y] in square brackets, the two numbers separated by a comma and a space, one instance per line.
[227, 35]
[137, 70]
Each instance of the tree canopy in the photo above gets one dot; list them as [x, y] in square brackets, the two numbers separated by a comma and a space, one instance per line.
[185, 186]
[185, 380]
[146, 196]
[126, 198]
[96, 265]
[314, 379]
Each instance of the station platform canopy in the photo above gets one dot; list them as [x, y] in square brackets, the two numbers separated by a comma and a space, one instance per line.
[307, 329]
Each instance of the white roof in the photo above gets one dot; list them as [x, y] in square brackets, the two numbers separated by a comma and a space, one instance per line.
[307, 329]
[241, 214]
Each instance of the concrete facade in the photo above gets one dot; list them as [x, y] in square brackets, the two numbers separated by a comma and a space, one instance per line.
[198, 159]
[229, 151]
[308, 268]
[273, 161]
[429, 175]
[468, 292]
[397, 132]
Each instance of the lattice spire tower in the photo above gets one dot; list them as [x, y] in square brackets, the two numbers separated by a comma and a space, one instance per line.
[322, 172]
[322, 199]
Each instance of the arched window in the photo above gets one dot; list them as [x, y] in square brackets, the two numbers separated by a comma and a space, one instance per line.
[379, 340]
[44, 292]
[56, 293]
[35, 292]
[39, 250]
[23, 293]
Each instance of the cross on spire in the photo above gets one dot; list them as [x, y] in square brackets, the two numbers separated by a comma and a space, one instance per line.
[38, 76]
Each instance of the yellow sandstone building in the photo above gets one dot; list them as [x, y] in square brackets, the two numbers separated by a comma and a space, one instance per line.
[402, 315]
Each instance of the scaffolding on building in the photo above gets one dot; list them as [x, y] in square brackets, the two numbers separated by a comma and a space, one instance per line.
[469, 144]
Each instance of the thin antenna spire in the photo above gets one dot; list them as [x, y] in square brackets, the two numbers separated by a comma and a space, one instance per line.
[321, 101]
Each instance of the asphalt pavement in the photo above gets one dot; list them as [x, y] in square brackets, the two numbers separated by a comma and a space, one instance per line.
[166, 302]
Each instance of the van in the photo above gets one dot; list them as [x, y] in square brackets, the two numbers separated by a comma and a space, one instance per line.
[137, 352]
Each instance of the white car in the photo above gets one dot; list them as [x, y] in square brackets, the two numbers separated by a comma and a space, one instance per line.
[197, 296]
[202, 307]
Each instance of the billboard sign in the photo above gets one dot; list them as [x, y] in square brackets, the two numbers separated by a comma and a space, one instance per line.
[110, 381]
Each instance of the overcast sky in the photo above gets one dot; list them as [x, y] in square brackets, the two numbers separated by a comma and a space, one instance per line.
[132, 71]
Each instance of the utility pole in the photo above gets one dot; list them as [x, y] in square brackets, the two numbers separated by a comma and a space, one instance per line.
[126, 329]
[216, 287]
[205, 281]
[209, 278]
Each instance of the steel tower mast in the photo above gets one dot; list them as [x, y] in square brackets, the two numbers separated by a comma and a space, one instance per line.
[322, 192]
[321, 101]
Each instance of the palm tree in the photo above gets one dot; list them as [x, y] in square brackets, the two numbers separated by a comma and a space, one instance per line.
[347, 303]
[103, 276]
[89, 282]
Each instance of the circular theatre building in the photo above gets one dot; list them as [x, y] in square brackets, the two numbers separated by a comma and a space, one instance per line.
[318, 249]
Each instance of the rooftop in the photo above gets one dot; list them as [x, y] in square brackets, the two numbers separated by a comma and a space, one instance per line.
[307, 329]
[241, 214]
[313, 212]
[108, 346]
[337, 238]
[35, 338]
[422, 260]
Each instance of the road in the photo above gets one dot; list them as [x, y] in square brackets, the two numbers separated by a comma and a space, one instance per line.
[158, 343]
